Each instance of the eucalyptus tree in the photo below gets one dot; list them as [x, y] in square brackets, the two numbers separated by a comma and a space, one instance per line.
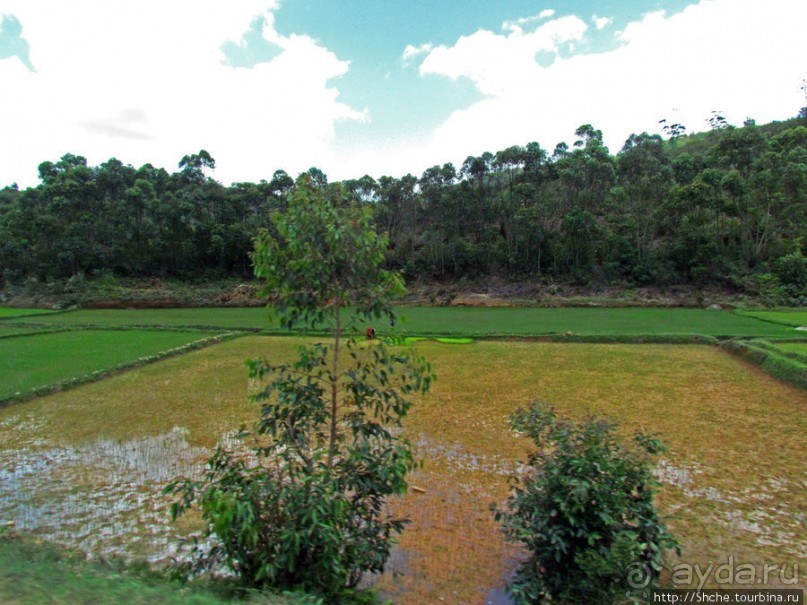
[397, 216]
[645, 175]
[307, 508]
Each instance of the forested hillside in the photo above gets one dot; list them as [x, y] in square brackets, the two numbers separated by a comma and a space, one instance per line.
[727, 207]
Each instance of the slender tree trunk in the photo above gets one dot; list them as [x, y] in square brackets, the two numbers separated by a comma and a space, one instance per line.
[335, 383]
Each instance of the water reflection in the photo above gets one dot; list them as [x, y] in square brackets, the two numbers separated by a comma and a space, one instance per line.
[104, 497]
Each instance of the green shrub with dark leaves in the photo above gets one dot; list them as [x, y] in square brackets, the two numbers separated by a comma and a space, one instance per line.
[584, 512]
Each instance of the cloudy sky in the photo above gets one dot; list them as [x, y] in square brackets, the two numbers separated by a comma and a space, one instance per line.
[376, 86]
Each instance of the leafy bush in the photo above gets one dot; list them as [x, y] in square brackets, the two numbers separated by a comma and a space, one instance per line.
[786, 285]
[307, 509]
[792, 272]
[584, 511]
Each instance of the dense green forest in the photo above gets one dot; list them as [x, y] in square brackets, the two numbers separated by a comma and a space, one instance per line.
[726, 207]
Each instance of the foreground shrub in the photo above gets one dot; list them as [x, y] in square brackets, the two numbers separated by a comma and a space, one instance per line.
[307, 508]
[584, 512]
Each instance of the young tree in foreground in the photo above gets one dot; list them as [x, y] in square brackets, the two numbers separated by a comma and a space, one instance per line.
[308, 510]
[584, 513]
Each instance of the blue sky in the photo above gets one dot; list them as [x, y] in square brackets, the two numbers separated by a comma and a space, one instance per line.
[373, 34]
[376, 86]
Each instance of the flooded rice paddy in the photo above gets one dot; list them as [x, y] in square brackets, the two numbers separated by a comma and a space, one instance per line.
[102, 497]
[87, 467]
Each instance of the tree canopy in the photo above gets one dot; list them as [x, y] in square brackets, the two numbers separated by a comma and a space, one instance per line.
[715, 208]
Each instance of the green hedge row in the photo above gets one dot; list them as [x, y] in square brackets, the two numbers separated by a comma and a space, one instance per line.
[99, 374]
[771, 346]
[769, 360]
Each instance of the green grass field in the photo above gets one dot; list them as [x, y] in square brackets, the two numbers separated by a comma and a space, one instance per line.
[251, 318]
[799, 347]
[457, 321]
[34, 573]
[12, 330]
[795, 347]
[464, 321]
[733, 479]
[13, 312]
[794, 317]
[37, 361]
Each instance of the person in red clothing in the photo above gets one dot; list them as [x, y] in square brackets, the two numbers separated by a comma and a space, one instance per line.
[370, 333]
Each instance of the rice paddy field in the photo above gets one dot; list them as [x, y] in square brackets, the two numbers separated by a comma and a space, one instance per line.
[788, 317]
[13, 312]
[85, 467]
[251, 318]
[795, 347]
[39, 360]
[451, 321]
[7, 330]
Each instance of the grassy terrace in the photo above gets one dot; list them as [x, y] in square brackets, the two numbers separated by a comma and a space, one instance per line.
[7, 330]
[252, 318]
[11, 312]
[454, 321]
[603, 321]
[789, 317]
[795, 347]
[41, 360]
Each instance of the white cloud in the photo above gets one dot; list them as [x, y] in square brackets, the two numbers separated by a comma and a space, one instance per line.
[601, 22]
[742, 56]
[500, 63]
[145, 82]
[411, 52]
[517, 26]
[129, 123]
